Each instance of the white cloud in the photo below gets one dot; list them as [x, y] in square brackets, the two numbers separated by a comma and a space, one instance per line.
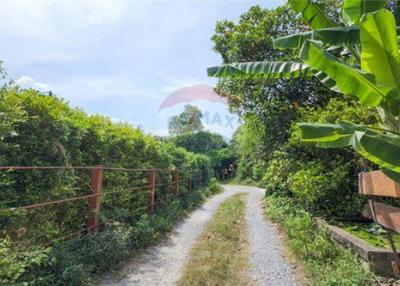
[24, 80]
[27, 81]
[42, 18]
[56, 30]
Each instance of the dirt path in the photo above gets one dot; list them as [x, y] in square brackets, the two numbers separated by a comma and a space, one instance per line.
[161, 265]
[269, 265]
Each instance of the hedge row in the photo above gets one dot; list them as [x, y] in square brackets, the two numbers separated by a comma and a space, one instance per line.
[42, 130]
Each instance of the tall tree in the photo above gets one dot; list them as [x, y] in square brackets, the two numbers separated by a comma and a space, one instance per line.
[270, 104]
[359, 58]
[188, 121]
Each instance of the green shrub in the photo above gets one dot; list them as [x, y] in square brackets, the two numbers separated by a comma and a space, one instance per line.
[279, 168]
[323, 181]
[314, 181]
[21, 265]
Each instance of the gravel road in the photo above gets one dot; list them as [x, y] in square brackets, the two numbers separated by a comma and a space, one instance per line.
[161, 265]
[269, 267]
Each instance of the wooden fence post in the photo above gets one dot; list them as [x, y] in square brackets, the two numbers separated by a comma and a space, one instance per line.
[189, 184]
[176, 178]
[150, 195]
[95, 201]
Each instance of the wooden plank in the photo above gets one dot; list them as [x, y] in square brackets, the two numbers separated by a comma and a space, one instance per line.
[387, 216]
[376, 183]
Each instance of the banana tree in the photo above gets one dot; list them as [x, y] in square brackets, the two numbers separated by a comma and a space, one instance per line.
[358, 57]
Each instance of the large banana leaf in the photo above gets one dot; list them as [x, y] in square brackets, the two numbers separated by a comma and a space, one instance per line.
[338, 36]
[379, 49]
[325, 132]
[352, 10]
[312, 13]
[265, 69]
[379, 150]
[271, 70]
[378, 147]
[349, 80]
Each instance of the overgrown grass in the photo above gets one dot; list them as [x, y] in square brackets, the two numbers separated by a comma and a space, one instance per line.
[325, 262]
[220, 257]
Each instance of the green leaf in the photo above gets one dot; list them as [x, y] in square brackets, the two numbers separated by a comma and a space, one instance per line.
[312, 13]
[265, 69]
[379, 49]
[338, 36]
[348, 80]
[380, 148]
[353, 10]
[323, 132]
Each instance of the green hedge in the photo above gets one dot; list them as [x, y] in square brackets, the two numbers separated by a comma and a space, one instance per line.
[42, 130]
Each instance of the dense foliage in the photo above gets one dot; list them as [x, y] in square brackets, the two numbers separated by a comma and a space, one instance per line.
[270, 102]
[200, 142]
[212, 145]
[358, 57]
[324, 181]
[42, 130]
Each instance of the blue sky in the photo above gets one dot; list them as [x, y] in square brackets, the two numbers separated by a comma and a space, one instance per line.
[118, 58]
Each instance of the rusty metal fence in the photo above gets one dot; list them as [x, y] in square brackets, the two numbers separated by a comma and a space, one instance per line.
[152, 179]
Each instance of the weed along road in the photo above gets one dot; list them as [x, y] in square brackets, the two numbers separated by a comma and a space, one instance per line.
[164, 263]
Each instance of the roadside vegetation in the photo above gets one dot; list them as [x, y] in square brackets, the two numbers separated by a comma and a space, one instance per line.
[326, 262]
[44, 246]
[221, 255]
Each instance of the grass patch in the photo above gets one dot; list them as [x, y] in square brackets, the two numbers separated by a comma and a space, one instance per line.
[220, 257]
[326, 263]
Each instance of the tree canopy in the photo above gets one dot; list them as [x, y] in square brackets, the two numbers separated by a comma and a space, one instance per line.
[270, 104]
[200, 142]
[188, 121]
